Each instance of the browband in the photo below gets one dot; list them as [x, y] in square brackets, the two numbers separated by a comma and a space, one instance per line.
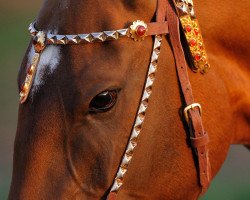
[137, 31]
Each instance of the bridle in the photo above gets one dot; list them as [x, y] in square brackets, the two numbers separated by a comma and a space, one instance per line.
[169, 16]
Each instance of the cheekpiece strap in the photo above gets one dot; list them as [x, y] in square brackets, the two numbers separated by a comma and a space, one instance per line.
[198, 136]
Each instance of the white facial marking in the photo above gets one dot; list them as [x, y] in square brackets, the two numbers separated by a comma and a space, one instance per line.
[48, 63]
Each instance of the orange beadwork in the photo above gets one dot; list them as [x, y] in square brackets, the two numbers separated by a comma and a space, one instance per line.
[195, 42]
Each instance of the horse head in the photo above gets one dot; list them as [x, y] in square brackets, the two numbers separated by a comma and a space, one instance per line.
[75, 125]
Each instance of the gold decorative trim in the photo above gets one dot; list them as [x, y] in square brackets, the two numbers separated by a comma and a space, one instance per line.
[135, 32]
[190, 26]
[195, 43]
[31, 72]
[39, 43]
[118, 182]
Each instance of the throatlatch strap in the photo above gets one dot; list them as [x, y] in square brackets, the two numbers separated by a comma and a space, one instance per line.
[197, 132]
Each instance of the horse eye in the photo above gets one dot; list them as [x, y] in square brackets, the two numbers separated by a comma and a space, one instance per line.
[103, 101]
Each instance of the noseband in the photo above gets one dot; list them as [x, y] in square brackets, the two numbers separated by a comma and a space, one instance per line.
[169, 16]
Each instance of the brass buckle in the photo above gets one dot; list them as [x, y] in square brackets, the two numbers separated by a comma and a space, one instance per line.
[191, 106]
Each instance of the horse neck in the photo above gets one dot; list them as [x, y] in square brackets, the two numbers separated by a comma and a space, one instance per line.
[224, 27]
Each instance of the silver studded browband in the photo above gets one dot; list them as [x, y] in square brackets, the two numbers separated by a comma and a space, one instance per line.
[81, 38]
[137, 31]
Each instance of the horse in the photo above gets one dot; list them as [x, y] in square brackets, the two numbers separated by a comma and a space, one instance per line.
[76, 123]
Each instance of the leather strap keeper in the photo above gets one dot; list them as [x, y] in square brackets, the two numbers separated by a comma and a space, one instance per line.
[199, 141]
[157, 28]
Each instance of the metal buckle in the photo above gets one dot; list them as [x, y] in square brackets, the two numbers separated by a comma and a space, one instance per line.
[191, 106]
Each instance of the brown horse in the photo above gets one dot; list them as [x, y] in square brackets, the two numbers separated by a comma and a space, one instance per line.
[65, 148]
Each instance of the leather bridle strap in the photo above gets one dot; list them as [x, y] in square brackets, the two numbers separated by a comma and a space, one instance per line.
[159, 30]
[198, 137]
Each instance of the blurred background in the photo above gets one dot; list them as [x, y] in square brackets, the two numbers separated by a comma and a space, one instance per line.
[232, 183]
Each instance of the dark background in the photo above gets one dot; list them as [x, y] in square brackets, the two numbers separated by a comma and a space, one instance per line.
[232, 183]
